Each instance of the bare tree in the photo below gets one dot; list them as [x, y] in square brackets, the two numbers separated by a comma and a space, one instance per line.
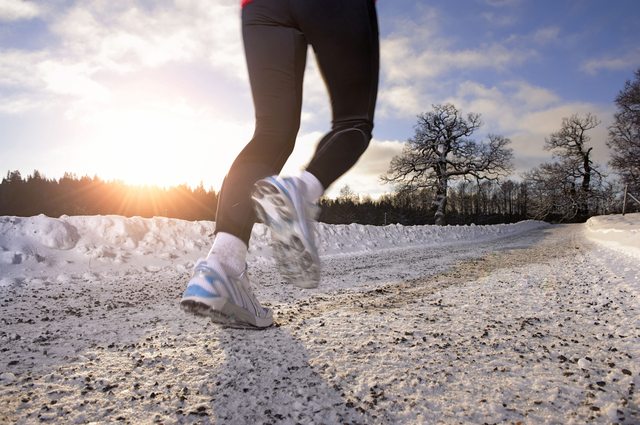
[347, 194]
[552, 192]
[570, 146]
[624, 135]
[441, 151]
[555, 192]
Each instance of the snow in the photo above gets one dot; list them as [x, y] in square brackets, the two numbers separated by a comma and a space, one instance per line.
[524, 322]
[44, 246]
[618, 232]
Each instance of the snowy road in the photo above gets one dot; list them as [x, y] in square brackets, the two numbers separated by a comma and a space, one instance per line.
[534, 328]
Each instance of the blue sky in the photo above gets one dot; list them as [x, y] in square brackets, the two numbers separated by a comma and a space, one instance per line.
[156, 91]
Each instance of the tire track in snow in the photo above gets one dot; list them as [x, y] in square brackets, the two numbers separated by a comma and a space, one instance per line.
[461, 265]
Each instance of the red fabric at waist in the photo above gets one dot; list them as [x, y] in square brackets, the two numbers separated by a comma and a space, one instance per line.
[243, 3]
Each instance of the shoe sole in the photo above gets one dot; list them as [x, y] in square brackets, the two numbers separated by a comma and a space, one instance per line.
[291, 248]
[223, 313]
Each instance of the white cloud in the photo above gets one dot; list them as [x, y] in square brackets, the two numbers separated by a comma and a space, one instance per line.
[405, 58]
[527, 115]
[71, 80]
[364, 177]
[316, 107]
[21, 79]
[499, 20]
[626, 61]
[303, 151]
[123, 37]
[16, 68]
[17, 104]
[401, 99]
[37, 80]
[16, 10]
[532, 97]
[503, 3]
[546, 35]
[99, 43]
[417, 62]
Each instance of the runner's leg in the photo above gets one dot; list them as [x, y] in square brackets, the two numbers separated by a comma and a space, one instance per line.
[344, 36]
[276, 55]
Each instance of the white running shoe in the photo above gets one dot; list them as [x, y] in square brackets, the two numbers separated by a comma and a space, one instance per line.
[227, 300]
[281, 205]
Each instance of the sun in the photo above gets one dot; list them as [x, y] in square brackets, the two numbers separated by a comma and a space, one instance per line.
[165, 145]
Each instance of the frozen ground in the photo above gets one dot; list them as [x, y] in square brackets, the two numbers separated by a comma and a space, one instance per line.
[516, 323]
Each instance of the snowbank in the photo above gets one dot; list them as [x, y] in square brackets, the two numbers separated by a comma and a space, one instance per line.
[88, 244]
[341, 239]
[620, 233]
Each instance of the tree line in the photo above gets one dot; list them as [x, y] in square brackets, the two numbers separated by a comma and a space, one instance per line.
[72, 195]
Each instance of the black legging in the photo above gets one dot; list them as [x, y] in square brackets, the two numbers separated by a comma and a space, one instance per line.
[344, 37]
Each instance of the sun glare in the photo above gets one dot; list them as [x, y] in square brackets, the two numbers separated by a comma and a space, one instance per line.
[165, 146]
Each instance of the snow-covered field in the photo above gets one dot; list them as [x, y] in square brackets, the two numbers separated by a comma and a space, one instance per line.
[526, 323]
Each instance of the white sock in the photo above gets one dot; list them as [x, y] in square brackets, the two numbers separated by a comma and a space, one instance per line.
[314, 187]
[231, 251]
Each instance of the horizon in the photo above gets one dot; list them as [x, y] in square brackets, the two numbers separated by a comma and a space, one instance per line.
[139, 186]
[157, 94]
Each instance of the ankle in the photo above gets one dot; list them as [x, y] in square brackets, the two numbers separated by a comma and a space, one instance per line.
[313, 186]
[230, 251]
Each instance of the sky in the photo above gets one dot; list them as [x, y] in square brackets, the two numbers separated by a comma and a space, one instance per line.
[156, 91]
